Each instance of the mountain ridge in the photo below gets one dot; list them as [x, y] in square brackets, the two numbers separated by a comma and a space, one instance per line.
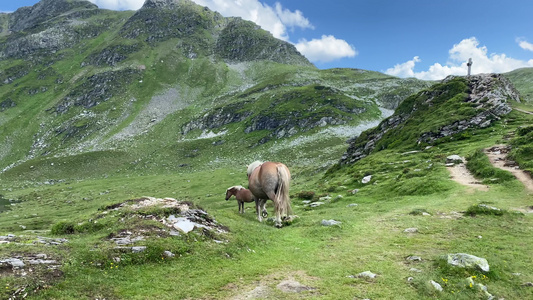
[97, 80]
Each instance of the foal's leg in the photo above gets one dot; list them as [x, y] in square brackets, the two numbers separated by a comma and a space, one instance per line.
[241, 207]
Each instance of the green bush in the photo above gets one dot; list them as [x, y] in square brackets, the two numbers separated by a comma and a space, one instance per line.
[524, 130]
[306, 195]
[418, 211]
[63, 227]
[484, 209]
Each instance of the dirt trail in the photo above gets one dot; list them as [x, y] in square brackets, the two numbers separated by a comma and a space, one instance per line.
[498, 158]
[461, 175]
[524, 111]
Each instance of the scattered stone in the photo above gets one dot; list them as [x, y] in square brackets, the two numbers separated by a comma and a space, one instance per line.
[306, 201]
[182, 224]
[409, 279]
[50, 241]
[169, 254]
[330, 223]
[325, 198]
[316, 204]
[366, 179]
[411, 230]
[138, 249]
[338, 197]
[414, 258]
[42, 261]
[464, 260]
[454, 159]
[516, 274]
[366, 274]
[292, 286]
[355, 191]
[426, 214]
[415, 270]
[437, 286]
[529, 284]
[7, 239]
[12, 262]
[352, 205]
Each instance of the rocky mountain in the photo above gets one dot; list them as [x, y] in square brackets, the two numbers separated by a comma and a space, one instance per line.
[79, 81]
[446, 111]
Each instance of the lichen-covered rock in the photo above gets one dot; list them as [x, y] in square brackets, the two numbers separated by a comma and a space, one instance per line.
[464, 260]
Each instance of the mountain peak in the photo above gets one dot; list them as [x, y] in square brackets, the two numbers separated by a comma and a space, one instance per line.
[29, 16]
[165, 3]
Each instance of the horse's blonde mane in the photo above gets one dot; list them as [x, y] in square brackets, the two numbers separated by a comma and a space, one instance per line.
[252, 166]
[238, 187]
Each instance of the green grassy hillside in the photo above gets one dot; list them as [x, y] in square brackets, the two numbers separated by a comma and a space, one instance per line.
[120, 106]
[521, 79]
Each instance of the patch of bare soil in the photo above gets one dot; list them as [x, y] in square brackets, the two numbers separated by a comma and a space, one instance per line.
[460, 174]
[498, 157]
[270, 286]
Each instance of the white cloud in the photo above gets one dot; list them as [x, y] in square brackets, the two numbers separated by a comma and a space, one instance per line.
[326, 49]
[292, 19]
[275, 20]
[456, 65]
[524, 44]
[119, 4]
[405, 69]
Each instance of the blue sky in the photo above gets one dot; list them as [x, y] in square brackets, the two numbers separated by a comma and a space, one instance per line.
[427, 39]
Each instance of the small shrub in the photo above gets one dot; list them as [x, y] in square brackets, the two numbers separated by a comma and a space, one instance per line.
[306, 195]
[484, 209]
[63, 227]
[524, 130]
[418, 211]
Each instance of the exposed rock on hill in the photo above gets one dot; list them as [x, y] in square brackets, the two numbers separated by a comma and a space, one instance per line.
[30, 16]
[444, 111]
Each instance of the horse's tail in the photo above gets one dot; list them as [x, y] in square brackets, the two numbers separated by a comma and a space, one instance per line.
[282, 196]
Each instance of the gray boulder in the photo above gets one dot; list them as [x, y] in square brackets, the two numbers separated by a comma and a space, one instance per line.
[464, 260]
[454, 159]
[330, 223]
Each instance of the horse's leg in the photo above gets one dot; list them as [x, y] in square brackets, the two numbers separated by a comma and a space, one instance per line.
[264, 212]
[277, 208]
[241, 206]
[257, 209]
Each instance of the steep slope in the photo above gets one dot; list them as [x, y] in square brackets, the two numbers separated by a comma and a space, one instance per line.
[446, 111]
[522, 79]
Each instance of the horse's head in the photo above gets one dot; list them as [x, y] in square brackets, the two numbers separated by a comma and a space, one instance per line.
[231, 191]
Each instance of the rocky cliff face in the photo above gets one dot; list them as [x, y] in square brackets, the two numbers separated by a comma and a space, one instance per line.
[452, 107]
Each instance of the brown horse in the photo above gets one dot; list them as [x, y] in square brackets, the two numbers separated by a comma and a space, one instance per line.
[241, 194]
[270, 180]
